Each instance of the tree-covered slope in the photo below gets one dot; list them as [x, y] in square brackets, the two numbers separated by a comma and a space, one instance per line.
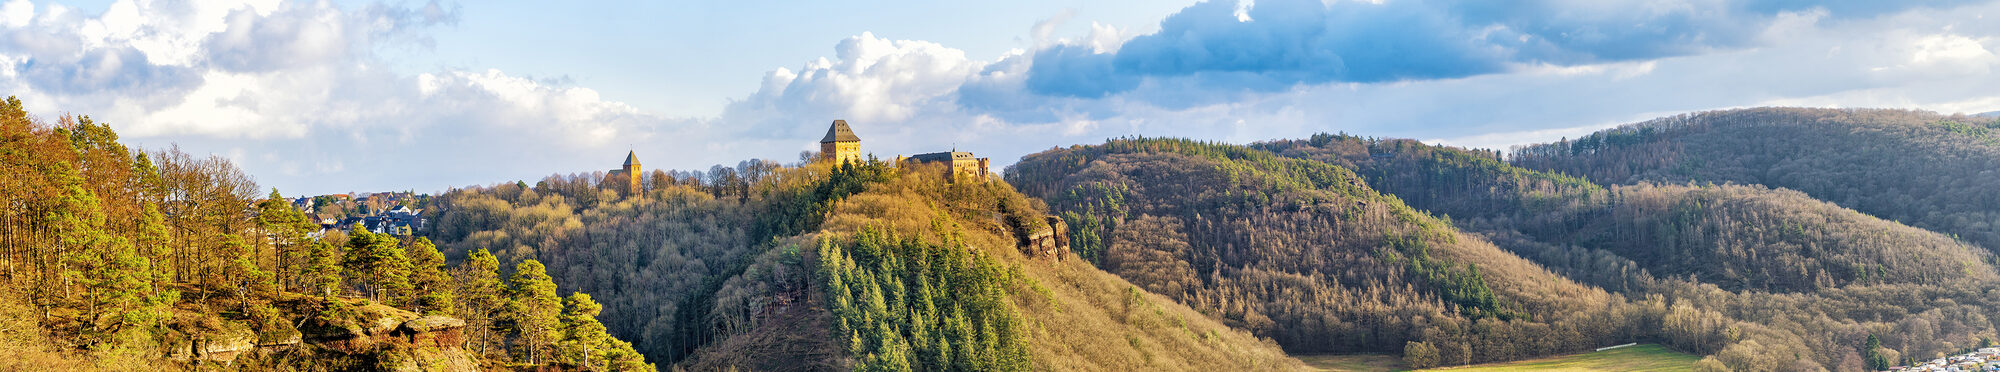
[1839, 275]
[118, 259]
[1307, 253]
[819, 267]
[1732, 236]
[1923, 169]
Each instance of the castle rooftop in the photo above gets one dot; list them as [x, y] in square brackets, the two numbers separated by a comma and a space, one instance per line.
[839, 132]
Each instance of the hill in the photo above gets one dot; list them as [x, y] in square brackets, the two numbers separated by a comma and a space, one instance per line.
[814, 267]
[1308, 254]
[1734, 236]
[1919, 168]
[117, 259]
[1724, 249]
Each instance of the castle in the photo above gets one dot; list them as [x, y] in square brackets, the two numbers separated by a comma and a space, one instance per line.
[957, 163]
[840, 145]
[629, 175]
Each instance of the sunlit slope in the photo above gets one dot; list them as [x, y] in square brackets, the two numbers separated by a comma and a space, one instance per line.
[1309, 254]
[1930, 171]
[1735, 236]
[1061, 313]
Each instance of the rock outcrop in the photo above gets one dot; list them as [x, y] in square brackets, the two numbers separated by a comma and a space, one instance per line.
[1048, 239]
[369, 337]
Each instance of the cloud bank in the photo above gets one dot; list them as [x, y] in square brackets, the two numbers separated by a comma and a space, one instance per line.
[297, 92]
[1275, 44]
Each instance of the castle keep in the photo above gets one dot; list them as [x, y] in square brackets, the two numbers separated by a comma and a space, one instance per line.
[627, 176]
[840, 145]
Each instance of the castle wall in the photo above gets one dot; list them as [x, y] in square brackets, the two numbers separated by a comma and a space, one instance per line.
[841, 151]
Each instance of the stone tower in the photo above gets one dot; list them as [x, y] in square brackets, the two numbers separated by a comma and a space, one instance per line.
[840, 144]
[628, 176]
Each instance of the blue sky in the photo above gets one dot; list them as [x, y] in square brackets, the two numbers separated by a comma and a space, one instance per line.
[324, 97]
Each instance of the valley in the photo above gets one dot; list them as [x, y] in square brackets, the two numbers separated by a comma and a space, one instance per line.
[1333, 252]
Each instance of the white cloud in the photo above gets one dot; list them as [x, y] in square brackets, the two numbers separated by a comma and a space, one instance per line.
[871, 79]
[295, 89]
[16, 13]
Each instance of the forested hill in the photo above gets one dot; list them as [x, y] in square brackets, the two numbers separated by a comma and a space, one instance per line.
[1719, 249]
[116, 258]
[1732, 236]
[823, 267]
[1306, 253]
[1927, 170]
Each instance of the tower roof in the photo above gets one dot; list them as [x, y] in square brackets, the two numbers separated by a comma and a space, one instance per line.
[839, 132]
[631, 158]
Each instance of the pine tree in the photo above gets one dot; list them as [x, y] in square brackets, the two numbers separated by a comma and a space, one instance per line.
[154, 237]
[378, 264]
[1872, 354]
[285, 229]
[432, 292]
[583, 337]
[535, 311]
[116, 285]
[481, 293]
[587, 343]
[321, 272]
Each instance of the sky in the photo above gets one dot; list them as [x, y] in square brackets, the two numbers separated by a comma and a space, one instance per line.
[339, 96]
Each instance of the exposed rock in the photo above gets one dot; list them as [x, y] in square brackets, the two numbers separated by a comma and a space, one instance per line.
[321, 329]
[438, 331]
[382, 322]
[214, 345]
[432, 323]
[371, 337]
[1047, 239]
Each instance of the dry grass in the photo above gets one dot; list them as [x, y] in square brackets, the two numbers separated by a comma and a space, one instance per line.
[1355, 362]
[26, 346]
[1635, 358]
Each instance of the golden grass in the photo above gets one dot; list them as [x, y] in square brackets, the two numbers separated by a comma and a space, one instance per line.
[1635, 358]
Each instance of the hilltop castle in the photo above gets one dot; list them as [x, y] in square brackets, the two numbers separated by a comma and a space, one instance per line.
[629, 175]
[840, 145]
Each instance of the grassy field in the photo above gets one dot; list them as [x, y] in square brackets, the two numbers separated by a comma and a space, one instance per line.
[1634, 358]
[1355, 362]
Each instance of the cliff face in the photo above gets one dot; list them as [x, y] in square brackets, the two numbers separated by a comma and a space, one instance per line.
[366, 336]
[1040, 236]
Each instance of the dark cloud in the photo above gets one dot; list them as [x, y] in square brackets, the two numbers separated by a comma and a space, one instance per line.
[1290, 42]
[108, 69]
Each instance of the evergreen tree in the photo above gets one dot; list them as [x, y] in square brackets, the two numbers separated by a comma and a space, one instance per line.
[116, 285]
[432, 292]
[321, 274]
[1872, 354]
[285, 230]
[583, 337]
[586, 342]
[482, 295]
[153, 239]
[378, 264]
[536, 312]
